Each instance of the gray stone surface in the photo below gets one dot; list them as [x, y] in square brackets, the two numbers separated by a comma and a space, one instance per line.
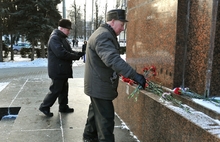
[26, 89]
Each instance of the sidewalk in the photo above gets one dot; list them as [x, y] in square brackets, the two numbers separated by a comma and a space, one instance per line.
[33, 126]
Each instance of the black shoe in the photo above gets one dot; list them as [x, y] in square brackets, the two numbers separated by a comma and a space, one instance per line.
[46, 112]
[90, 140]
[66, 110]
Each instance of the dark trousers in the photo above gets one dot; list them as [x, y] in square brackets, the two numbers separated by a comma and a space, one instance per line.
[84, 58]
[100, 122]
[58, 89]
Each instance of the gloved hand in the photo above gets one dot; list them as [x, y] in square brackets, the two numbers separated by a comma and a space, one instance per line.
[140, 79]
[76, 57]
[80, 54]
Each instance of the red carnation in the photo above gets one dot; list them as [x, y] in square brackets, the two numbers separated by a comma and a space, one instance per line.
[177, 90]
[153, 68]
[124, 79]
[131, 82]
[145, 69]
[146, 85]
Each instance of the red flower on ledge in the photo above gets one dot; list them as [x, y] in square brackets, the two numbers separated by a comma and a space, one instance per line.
[131, 82]
[124, 79]
[177, 91]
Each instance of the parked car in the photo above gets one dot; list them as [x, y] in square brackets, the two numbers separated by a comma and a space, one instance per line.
[17, 47]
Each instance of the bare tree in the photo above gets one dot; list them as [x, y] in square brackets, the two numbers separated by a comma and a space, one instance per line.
[84, 31]
[99, 18]
[96, 15]
[105, 10]
[75, 17]
[118, 3]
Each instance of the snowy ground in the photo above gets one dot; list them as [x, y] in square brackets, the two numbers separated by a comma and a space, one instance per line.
[26, 62]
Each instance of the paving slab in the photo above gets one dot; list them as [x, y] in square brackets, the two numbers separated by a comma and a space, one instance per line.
[27, 92]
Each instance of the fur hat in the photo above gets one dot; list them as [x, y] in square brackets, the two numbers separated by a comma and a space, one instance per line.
[117, 14]
[65, 23]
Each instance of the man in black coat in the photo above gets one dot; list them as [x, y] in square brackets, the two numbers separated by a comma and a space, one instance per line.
[60, 57]
[73, 42]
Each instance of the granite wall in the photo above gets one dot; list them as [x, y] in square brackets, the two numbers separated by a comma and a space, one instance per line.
[215, 87]
[151, 37]
[199, 45]
[179, 38]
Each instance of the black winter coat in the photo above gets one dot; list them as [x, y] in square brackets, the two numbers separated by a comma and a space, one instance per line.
[84, 48]
[60, 56]
[104, 64]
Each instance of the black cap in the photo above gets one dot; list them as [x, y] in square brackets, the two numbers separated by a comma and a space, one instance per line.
[117, 14]
[65, 23]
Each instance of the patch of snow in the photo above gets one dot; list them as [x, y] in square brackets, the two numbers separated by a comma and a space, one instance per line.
[208, 104]
[198, 118]
[39, 62]
[123, 57]
[124, 126]
[3, 85]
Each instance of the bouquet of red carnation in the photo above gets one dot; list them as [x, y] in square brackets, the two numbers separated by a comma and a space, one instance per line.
[158, 90]
[148, 72]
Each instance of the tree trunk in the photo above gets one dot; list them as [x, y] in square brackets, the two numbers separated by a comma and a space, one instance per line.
[42, 53]
[12, 42]
[32, 53]
[1, 55]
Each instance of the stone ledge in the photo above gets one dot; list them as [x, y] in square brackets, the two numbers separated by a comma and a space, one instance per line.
[151, 120]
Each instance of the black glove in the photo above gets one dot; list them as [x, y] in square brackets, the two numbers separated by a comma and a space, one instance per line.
[76, 57]
[140, 79]
[80, 54]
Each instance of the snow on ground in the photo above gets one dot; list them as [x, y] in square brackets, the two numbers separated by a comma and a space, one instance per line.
[3, 85]
[124, 126]
[24, 62]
